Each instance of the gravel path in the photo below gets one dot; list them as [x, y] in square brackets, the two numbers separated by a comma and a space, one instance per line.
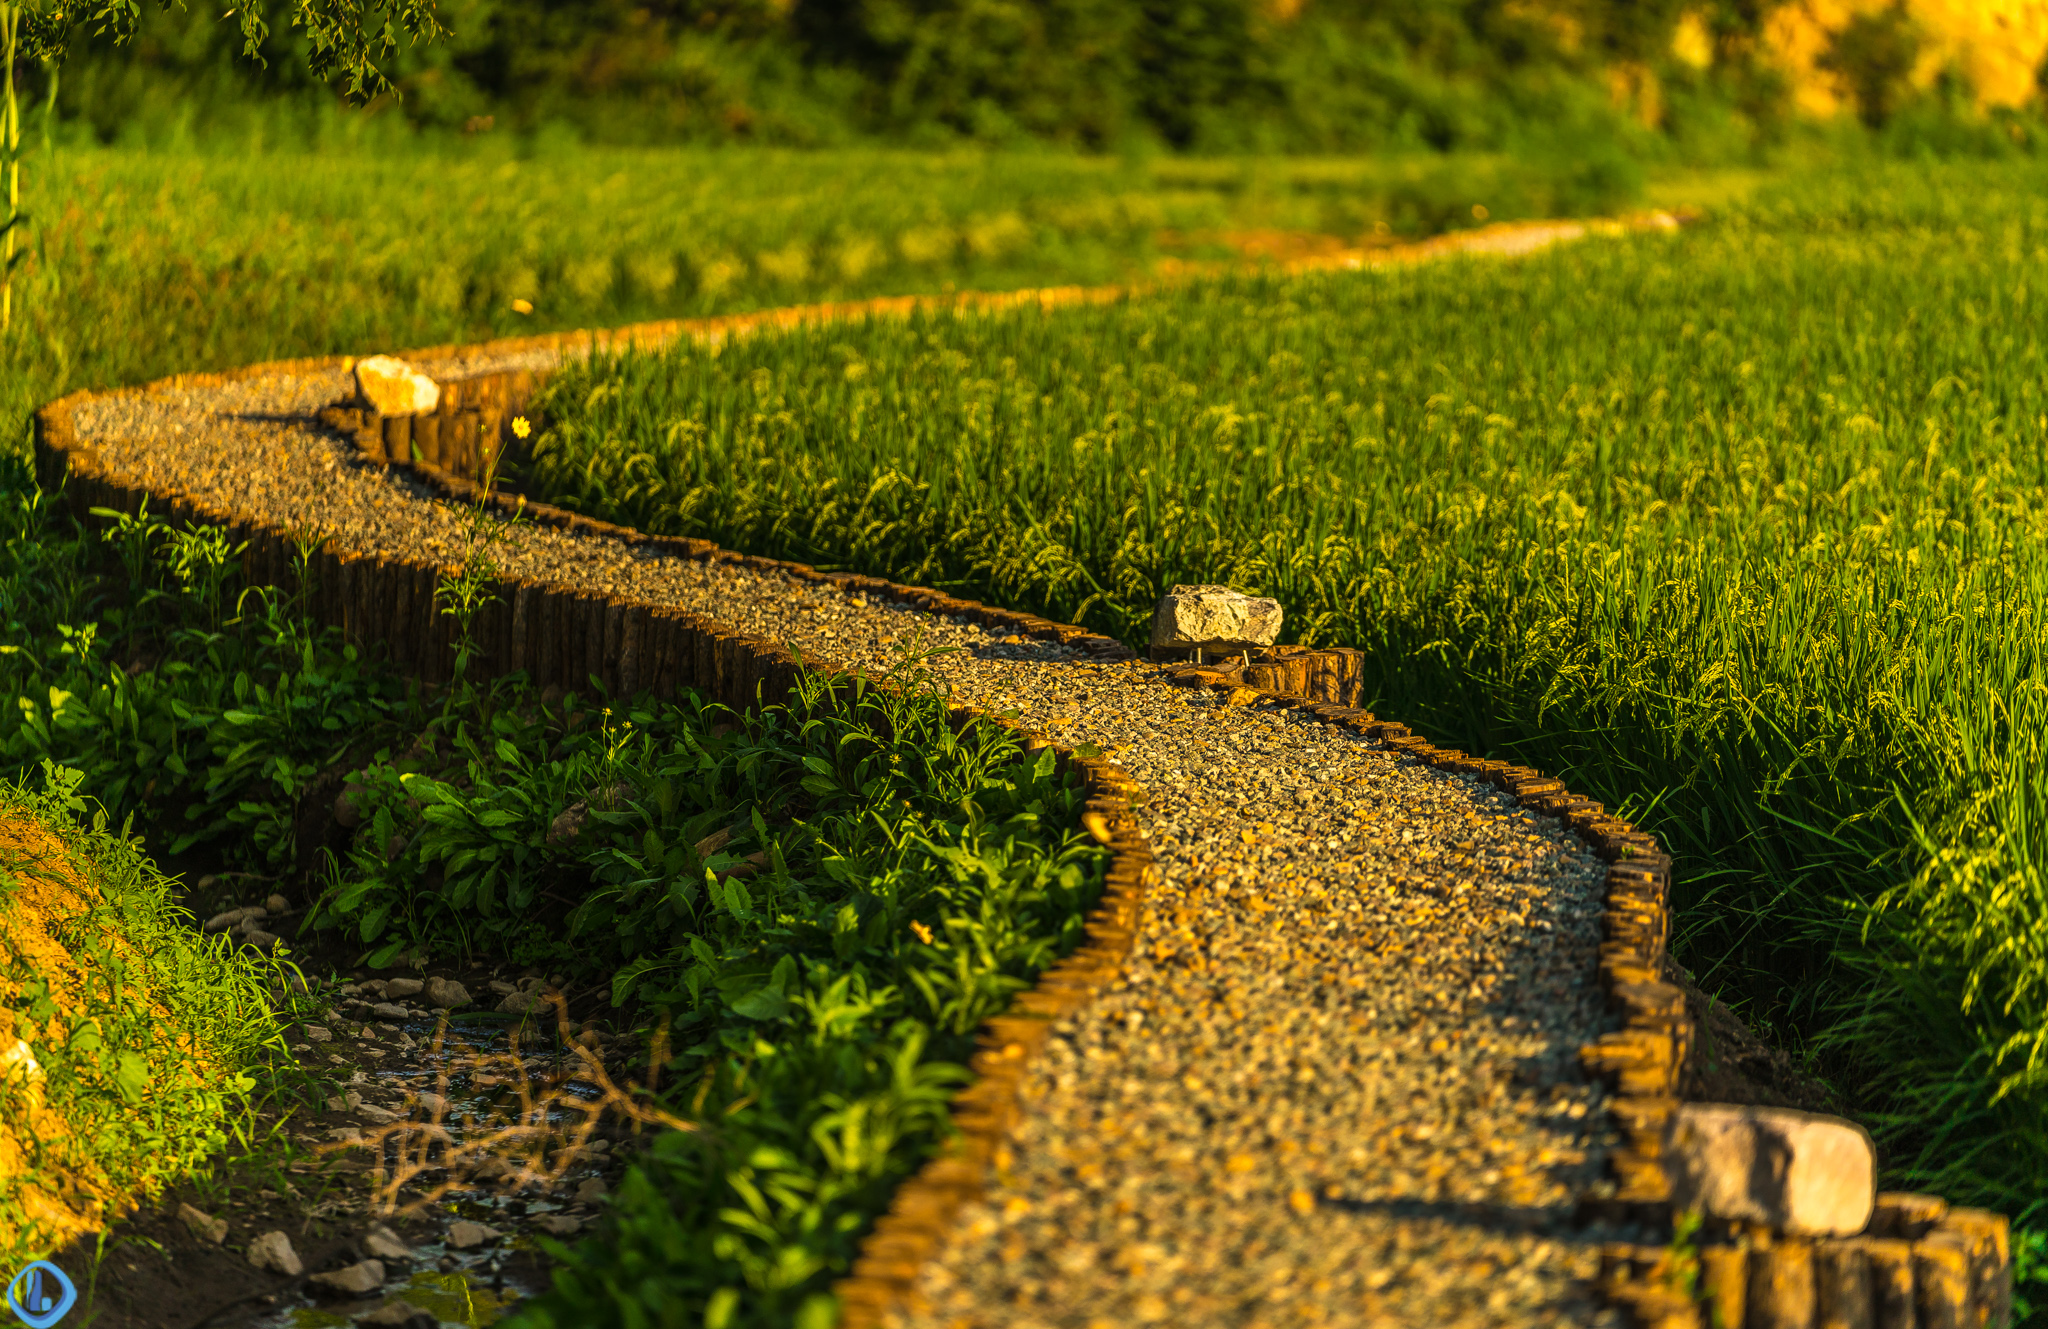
[1340, 1085]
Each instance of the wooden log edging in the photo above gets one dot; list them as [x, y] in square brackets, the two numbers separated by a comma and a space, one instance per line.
[1920, 1264]
[1644, 1058]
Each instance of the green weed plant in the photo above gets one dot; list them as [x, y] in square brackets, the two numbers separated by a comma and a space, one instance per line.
[150, 1068]
[1738, 529]
[184, 699]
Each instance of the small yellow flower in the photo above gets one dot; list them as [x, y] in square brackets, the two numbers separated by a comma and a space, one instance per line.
[522, 306]
[519, 426]
[923, 933]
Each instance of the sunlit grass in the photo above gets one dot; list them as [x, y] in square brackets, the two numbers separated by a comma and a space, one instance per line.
[1740, 529]
[143, 264]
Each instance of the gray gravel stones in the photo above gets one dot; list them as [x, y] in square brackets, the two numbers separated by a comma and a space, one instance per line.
[1340, 1083]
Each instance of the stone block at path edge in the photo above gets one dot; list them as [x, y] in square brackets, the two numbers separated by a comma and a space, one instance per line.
[1798, 1172]
[1214, 618]
[390, 386]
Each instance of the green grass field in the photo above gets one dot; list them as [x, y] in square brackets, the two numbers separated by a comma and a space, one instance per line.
[147, 263]
[1739, 529]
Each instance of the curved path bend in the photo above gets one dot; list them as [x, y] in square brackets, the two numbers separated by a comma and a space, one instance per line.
[1339, 1079]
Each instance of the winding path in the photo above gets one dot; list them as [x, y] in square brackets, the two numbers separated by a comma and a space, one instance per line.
[1339, 1078]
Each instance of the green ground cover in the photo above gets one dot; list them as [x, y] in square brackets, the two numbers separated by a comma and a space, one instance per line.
[805, 912]
[147, 1052]
[1739, 529]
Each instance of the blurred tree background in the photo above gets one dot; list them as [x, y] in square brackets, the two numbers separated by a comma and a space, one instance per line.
[1646, 77]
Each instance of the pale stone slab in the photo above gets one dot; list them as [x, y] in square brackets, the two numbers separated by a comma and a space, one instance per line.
[1214, 618]
[1798, 1172]
[390, 386]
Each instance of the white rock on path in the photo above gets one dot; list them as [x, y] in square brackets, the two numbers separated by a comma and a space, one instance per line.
[273, 1251]
[390, 386]
[1798, 1172]
[1214, 618]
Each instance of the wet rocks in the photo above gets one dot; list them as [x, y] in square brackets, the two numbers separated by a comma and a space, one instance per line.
[1798, 1172]
[357, 1280]
[385, 1244]
[399, 1314]
[446, 994]
[273, 1251]
[464, 1235]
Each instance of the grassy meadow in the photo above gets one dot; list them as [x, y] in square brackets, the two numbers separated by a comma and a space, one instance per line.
[1740, 529]
[146, 262]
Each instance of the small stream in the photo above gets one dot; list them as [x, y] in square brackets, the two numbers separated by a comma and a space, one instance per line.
[476, 1132]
